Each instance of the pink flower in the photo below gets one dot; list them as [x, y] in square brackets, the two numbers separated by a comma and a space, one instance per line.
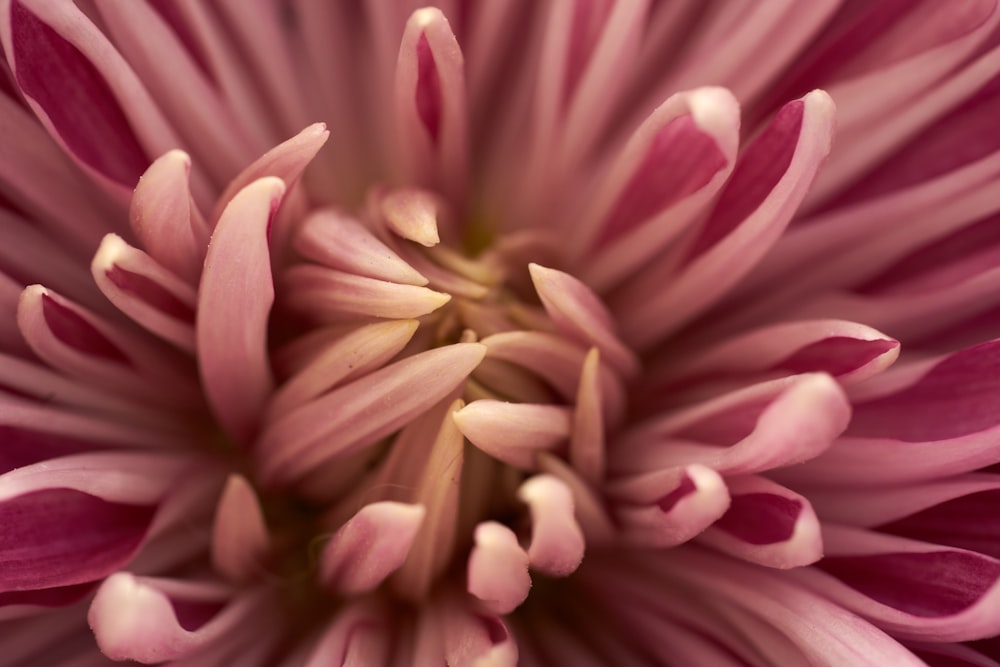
[541, 333]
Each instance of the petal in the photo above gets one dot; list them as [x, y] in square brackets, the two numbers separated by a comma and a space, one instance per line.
[361, 412]
[515, 433]
[234, 302]
[372, 545]
[356, 636]
[768, 184]
[766, 524]
[240, 541]
[145, 291]
[557, 543]
[498, 568]
[340, 242]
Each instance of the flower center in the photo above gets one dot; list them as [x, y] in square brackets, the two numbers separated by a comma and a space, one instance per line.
[433, 420]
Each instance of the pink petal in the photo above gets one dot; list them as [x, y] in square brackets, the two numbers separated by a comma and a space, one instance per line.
[472, 637]
[340, 242]
[356, 636]
[587, 441]
[765, 426]
[235, 298]
[579, 313]
[557, 544]
[674, 163]
[145, 291]
[914, 590]
[766, 524]
[240, 541]
[58, 56]
[768, 184]
[498, 568]
[165, 218]
[351, 355]
[430, 103]
[150, 620]
[671, 507]
[334, 296]
[514, 433]
[359, 413]
[372, 545]
[412, 214]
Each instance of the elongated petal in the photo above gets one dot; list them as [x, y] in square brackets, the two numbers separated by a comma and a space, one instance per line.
[234, 301]
[515, 433]
[361, 412]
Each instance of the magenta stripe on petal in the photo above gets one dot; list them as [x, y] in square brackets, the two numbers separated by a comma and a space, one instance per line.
[837, 355]
[681, 159]
[929, 585]
[76, 98]
[969, 522]
[192, 614]
[151, 292]
[22, 446]
[760, 518]
[77, 333]
[58, 537]
[756, 173]
[428, 94]
[57, 596]
[685, 488]
[957, 397]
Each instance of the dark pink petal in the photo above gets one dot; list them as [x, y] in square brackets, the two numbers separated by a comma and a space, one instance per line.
[83, 91]
[915, 590]
[967, 522]
[234, 301]
[847, 351]
[765, 426]
[768, 183]
[60, 537]
[766, 524]
[667, 508]
[957, 397]
[145, 291]
[85, 346]
[430, 103]
[668, 171]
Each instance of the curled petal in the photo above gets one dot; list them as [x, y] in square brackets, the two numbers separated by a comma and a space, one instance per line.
[356, 636]
[498, 568]
[670, 508]
[766, 524]
[412, 214]
[372, 545]
[150, 620]
[557, 542]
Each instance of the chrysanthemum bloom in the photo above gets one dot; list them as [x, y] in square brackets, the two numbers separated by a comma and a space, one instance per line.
[539, 332]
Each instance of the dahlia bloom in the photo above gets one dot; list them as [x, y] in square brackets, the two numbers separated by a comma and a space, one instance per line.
[562, 332]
